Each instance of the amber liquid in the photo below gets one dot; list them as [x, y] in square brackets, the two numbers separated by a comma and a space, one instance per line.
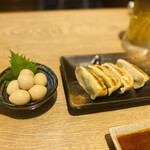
[135, 141]
[138, 33]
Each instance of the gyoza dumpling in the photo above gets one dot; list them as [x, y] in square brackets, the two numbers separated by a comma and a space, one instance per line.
[109, 78]
[137, 74]
[125, 78]
[93, 85]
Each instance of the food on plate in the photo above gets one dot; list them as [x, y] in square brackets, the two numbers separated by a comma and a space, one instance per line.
[104, 79]
[40, 79]
[109, 78]
[125, 78]
[137, 74]
[22, 80]
[19, 97]
[25, 81]
[93, 85]
[27, 72]
[13, 86]
[17, 64]
[37, 92]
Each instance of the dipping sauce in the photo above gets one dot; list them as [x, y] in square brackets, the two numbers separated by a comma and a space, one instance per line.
[135, 141]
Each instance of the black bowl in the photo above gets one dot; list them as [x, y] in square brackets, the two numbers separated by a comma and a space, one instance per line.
[52, 83]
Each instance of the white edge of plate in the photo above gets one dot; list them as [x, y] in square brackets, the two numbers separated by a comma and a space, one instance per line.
[126, 129]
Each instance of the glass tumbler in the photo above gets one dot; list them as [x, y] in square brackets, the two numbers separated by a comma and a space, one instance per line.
[137, 36]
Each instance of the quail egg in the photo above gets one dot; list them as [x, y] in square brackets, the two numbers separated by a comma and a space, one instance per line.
[19, 97]
[12, 86]
[25, 82]
[38, 92]
[27, 72]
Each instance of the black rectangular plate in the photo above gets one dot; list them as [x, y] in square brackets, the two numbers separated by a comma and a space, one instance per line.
[78, 99]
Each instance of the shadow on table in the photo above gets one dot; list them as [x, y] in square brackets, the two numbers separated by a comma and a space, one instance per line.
[25, 114]
[121, 34]
[110, 142]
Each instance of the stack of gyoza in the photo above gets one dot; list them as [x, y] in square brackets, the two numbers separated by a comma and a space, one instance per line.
[102, 80]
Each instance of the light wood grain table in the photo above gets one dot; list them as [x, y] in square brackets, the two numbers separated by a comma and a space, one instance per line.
[44, 37]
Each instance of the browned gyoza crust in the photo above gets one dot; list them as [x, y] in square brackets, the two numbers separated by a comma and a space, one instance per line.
[139, 77]
[93, 85]
[109, 78]
[125, 79]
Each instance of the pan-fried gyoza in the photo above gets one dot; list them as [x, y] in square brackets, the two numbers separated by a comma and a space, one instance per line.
[93, 85]
[104, 79]
[125, 78]
[137, 74]
[109, 78]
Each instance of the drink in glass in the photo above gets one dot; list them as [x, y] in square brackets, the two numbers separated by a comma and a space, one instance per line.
[137, 36]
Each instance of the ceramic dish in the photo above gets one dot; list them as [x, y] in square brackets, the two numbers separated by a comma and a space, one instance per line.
[77, 98]
[126, 130]
[52, 84]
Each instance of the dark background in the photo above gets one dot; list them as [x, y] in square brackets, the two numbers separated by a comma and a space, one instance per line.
[27, 5]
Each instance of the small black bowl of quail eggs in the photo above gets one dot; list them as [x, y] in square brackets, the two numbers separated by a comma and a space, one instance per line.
[29, 90]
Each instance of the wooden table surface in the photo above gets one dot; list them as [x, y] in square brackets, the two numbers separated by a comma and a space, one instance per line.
[44, 37]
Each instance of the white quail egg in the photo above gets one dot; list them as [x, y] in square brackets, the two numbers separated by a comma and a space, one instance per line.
[12, 86]
[25, 82]
[19, 97]
[40, 79]
[38, 92]
[27, 72]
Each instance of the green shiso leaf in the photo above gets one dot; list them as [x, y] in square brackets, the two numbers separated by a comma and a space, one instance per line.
[18, 62]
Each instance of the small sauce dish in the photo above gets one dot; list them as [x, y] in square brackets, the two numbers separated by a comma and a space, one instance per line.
[132, 136]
